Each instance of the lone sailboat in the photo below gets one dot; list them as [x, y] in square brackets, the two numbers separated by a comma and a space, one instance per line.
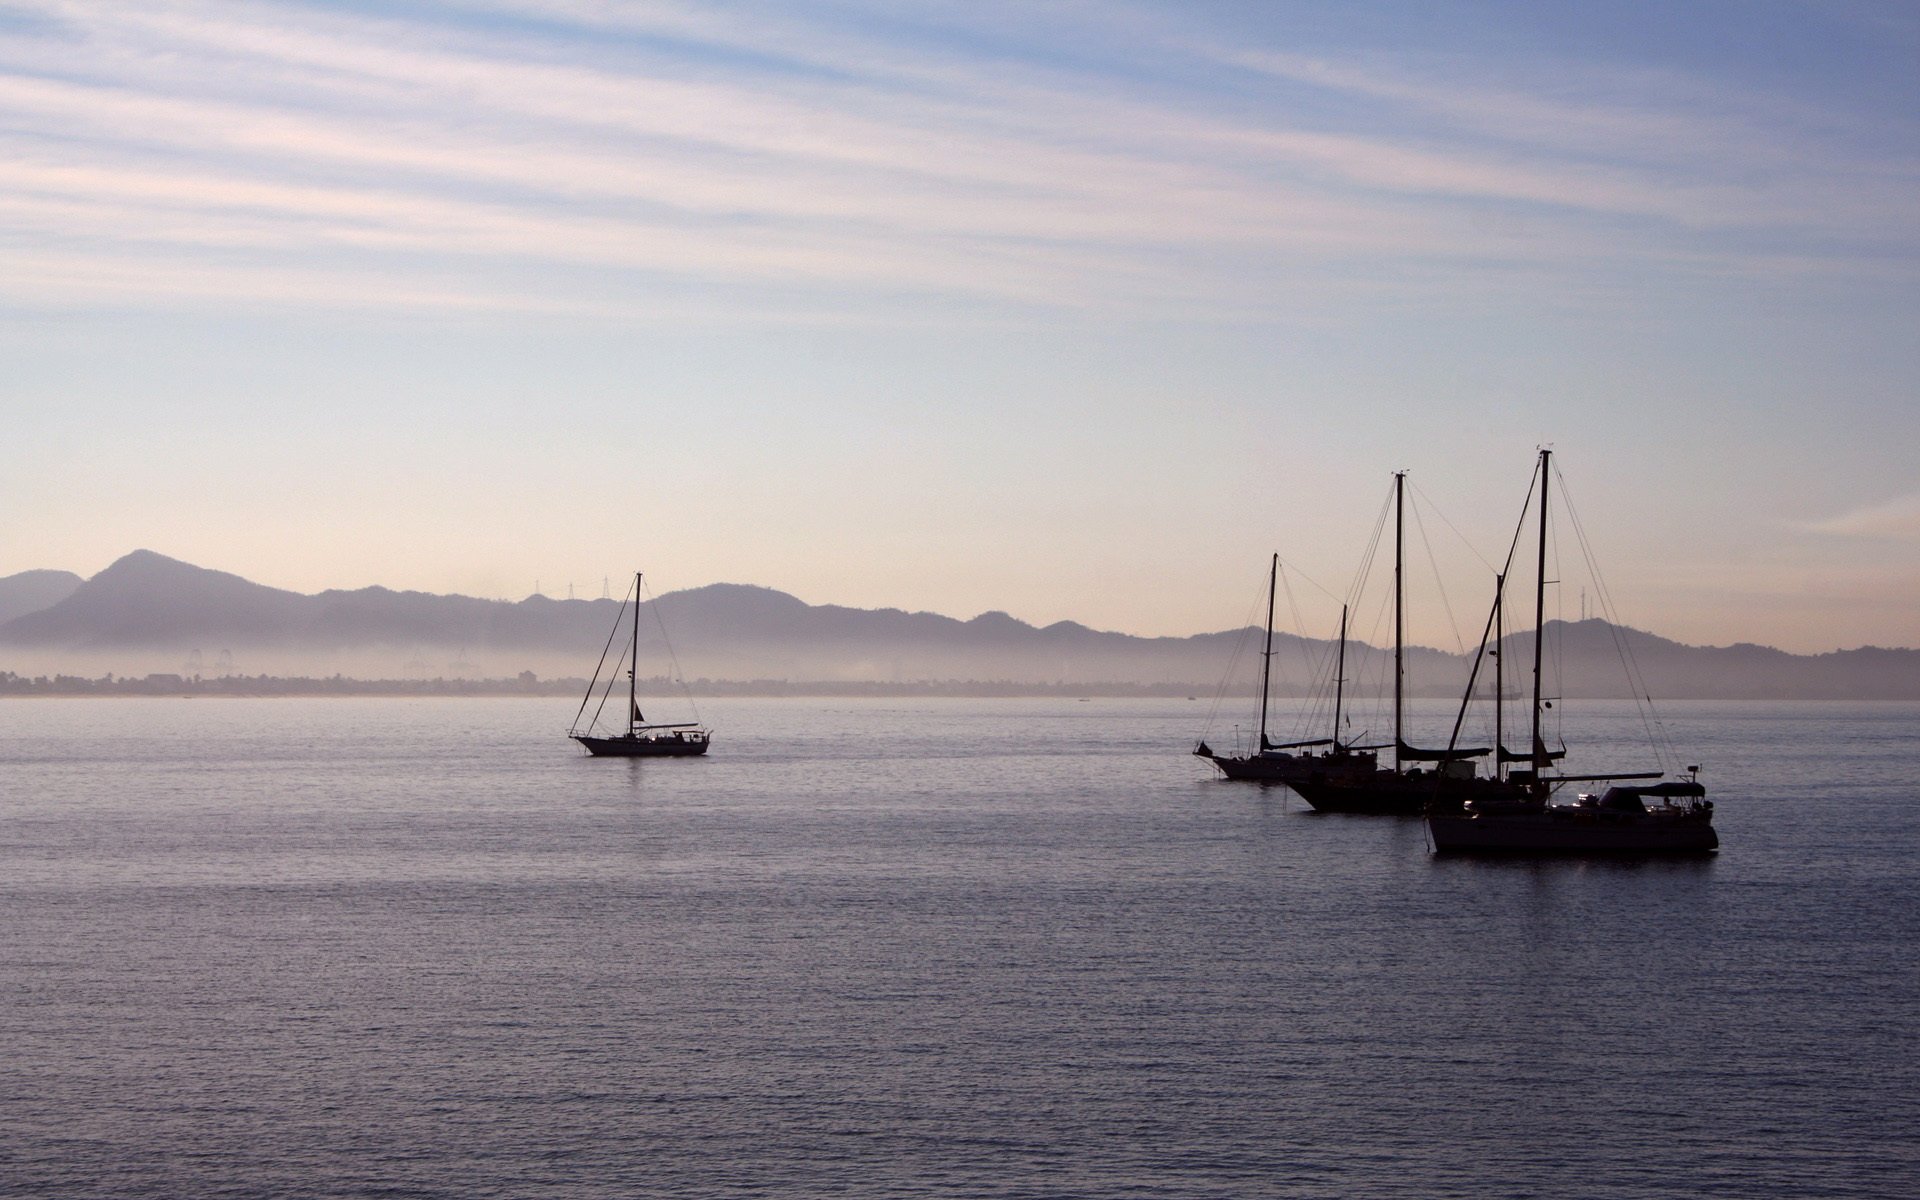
[1292, 762]
[639, 739]
[1617, 821]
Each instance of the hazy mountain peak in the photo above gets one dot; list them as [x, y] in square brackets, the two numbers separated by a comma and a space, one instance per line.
[742, 591]
[997, 620]
[146, 569]
[32, 591]
[147, 598]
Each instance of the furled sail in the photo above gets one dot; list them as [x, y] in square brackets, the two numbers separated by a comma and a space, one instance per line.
[1415, 754]
[1540, 754]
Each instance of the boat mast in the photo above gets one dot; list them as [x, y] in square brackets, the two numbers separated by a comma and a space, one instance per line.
[1399, 602]
[1499, 680]
[633, 664]
[1537, 752]
[1339, 678]
[1266, 656]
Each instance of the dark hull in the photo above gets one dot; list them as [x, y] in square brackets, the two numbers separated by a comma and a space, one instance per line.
[642, 747]
[1392, 794]
[1291, 769]
[1257, 770]
[1386, 795]
[1563, 830]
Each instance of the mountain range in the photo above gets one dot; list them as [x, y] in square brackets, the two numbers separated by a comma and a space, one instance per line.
[150, 613]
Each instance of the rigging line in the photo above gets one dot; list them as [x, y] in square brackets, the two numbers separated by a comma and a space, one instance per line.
[1500, 579]
[1559, 637]
[1369, 554]
[1658, 736]
[1651, 723]
[608, 649]
[1310, 579]
[1310, 712]
[1299, 623]
[1293, 604]
[1374, 666]
[1320, 660]
[1321, 683]
[1366, 666]
[1233, 663]
[1441, 513]
[612, 677]
[1433, 564]
[679, 676]
[1300, 643]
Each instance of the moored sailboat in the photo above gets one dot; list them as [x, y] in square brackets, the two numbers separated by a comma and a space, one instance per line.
[1291, 762]
[639, 738]
[1402, 788]
[1619, 820]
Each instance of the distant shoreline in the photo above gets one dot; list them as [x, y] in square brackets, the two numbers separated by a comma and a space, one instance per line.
[263, 687]
[277, 687]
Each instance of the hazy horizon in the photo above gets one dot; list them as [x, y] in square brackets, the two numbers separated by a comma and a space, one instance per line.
[1071, 312]
[152, 615]
[610, 589]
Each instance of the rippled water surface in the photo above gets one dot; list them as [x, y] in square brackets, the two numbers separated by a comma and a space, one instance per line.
[425, 948]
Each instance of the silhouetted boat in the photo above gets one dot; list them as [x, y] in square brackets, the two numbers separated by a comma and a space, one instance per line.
[640, 739]
[1617, 821]
[1292, 762]
[1399, 789]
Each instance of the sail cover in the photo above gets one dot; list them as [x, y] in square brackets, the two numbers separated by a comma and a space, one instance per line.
[1540, 754]
[1415, 754]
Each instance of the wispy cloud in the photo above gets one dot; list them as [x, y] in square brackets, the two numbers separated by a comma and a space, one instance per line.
[624, 148]
[1898, 518]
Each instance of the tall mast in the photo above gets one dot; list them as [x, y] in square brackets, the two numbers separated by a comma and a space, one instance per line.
[1339, 677]
[1537, 752]
[633, 664]
[1399, 601]
[1266, 656]
[1499, 679]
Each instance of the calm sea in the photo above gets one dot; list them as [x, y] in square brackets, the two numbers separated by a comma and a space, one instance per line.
[421, 948]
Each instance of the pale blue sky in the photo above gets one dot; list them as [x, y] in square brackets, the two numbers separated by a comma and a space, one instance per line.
[1072, 310]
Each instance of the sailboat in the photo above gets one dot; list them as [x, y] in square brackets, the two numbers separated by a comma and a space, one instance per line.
[1292, 762]
[1619, 820]
[1402, 788]
[640, 739]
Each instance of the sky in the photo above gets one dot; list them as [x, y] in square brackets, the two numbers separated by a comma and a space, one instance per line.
[1076, 311]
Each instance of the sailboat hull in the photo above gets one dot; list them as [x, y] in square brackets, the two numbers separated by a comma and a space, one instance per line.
[1254, 770]
[1396, 794]
[1565, 830]
[1292, 769]
[628, 746]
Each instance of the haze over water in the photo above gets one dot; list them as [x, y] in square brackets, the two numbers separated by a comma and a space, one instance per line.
[958, 948]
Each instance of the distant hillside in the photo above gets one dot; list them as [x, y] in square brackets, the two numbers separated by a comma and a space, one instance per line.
[31, 591]
[148, 612]
[1590, 652]
[163, 611]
